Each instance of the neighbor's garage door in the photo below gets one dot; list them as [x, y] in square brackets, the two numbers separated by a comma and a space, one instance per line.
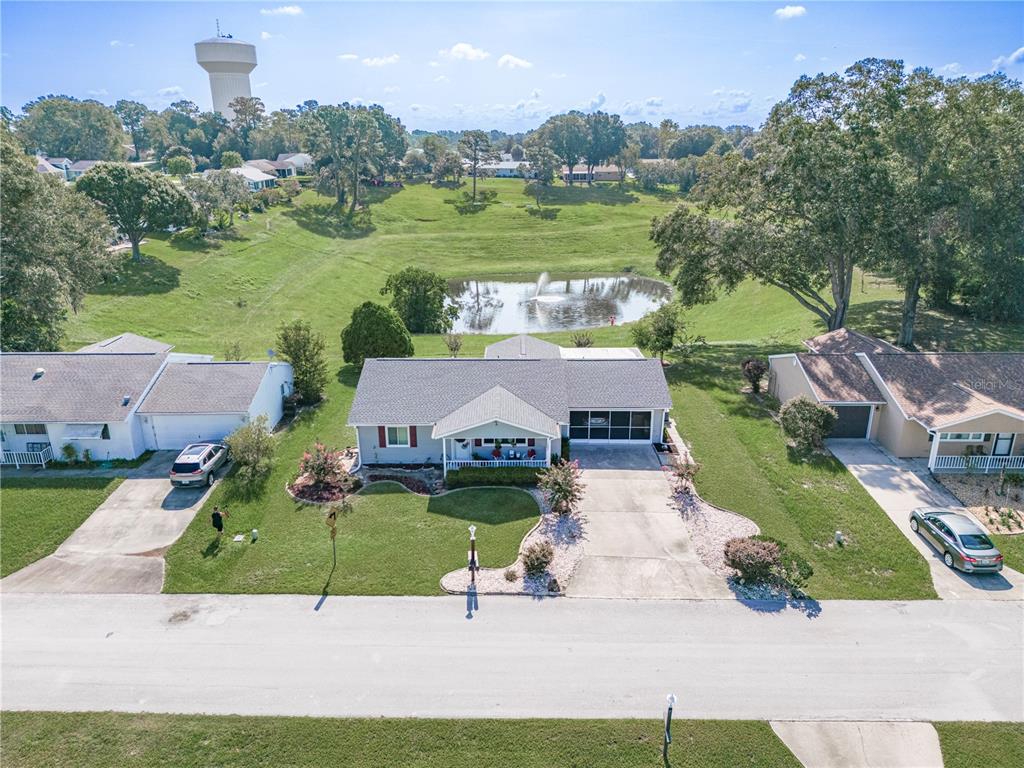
[852, 422]
[172, 433]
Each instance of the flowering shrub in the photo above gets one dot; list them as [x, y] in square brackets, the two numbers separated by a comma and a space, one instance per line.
[322, 465]
[562, 486]
[806, 422]
[753, 559]
[537, 557]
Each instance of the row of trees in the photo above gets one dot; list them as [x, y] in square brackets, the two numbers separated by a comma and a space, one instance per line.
[902, 173]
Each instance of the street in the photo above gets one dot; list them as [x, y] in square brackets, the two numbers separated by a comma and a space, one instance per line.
[376, 656]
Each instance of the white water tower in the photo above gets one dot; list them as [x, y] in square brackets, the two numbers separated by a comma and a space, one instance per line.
[228, 62]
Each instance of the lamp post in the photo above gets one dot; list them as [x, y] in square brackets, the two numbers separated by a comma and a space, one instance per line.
[472, 554]
[671, 698]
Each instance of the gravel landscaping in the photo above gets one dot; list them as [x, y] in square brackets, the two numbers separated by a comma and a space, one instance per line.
[978, 493]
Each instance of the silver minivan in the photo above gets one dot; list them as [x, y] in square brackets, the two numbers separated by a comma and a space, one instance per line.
[963, 543]
[197, 463]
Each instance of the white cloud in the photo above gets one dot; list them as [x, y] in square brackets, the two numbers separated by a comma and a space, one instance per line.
[558, 75]
[415, 107]
[391, 89]
[171, 90]
[121, 44]
[267, 36]
[348, 56]
[380, 61]
[653, 101]
[799, 57]
[435, 64]
[98, 92]
[790, 12]
[463, 52]
[1001, 62]
[514, 62]
[598, 101]
[535, 93]
[441, 79]
[953, 68]
[260, 85]
[282, 10]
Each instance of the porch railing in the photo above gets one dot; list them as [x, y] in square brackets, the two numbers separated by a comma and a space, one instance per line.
[460, 463]
[984, 464]
[17, 458]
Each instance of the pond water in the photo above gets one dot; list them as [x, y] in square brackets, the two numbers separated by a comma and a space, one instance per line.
[559, 303]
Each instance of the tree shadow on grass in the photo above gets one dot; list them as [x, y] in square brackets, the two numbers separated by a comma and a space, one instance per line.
[937, 330]
[472, 505]
[141, 278]
[328, 219]
[544, 214]
[601, 194]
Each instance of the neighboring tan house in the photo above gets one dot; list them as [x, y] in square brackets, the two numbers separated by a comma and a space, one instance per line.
[601, 173]
[281, 169]
[511, 407]
[301, 161]
[949, 407]
[44, 166]
[128, 394]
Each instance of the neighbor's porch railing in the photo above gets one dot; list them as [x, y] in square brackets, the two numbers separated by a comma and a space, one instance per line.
[983, 464]
[460, 463]
[17, 458]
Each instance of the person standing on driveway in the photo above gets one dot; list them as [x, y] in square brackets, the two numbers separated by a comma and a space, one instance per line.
[217, 518]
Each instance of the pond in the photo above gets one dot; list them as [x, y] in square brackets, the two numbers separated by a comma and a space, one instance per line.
[493, 305]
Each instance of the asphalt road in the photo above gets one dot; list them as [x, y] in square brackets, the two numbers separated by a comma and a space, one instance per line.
[295, 655]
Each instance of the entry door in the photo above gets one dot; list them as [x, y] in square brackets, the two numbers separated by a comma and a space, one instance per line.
[1003, 444]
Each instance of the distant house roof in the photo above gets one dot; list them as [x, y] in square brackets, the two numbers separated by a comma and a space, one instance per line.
[582, 168]
[252, 174]
[425, 390]
[496, 404]
[44, 166]
[295, 155]
[73, 387]
[205, 388]
[944, 388]
[261, 165]
[58, 160]
[839, 379]
[128, 342]
[847, 340]
[525, 347]
[84, 165]
[510, 165]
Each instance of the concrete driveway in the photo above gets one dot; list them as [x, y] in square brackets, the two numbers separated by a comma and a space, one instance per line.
[898, 491]
[120, 547]
[635, 544]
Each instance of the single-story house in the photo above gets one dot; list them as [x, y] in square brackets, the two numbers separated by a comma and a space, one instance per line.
[301, 161]
[128, 394]
[511, 407]
[507, 169]
[255, 178]
[79, 167]
[957, 409]
[601, 173]
[281, 169]
[46, 167]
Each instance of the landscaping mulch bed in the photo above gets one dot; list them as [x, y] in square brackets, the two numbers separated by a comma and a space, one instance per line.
[978, 493]
[305, 489]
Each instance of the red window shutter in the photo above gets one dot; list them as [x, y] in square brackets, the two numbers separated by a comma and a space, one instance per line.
[382, 437]
[478, 442]
[412, 437]
[531, 442]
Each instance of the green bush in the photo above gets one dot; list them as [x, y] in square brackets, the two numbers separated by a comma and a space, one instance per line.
[792, 567]
[538, 557]
[565, 451]
[470, 476]
[806, 422]
[754, 559]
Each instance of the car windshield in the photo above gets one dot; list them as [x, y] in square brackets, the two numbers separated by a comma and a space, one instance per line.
[975, 541]
[184, 467]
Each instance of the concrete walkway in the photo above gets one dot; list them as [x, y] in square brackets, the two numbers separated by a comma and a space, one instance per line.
[861, 745]
[636, 545]
[120, 547]
[898, 491]
[155, 466]
[928, 660]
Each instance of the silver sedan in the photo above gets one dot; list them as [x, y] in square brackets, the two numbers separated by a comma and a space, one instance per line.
[963, 543]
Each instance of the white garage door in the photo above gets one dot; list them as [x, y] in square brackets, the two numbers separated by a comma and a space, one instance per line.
[172, 433]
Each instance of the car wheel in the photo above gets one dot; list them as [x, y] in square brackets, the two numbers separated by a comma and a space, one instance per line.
[913, 524]
[948, 559]
[209, 479]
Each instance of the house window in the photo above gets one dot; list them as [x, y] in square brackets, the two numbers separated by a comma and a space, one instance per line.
[30, 429]
[398, 437]
[105, 432]
[964, 437]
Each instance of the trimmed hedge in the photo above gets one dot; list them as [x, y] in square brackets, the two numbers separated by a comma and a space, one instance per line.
[470, 476]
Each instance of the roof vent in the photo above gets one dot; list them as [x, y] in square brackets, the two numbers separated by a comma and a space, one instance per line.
[126, 399]
[38, 374]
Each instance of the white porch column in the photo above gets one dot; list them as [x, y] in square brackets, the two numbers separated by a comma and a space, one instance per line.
[444, 457]
[547, 456]
[934, 451]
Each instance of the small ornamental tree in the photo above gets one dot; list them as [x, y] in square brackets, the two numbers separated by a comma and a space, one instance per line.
[230, 159]
[180, 166]
[753, 559]
[454, 343]
[420, 298]
[375, 331]
[322, 465]
[806, 422]
[537, 557]
[301, 346]
[562, 486]
[252, 449]
[754, 369]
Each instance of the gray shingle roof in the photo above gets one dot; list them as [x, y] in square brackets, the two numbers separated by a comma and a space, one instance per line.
[205, 388]
[840, 379]
[128, 342]
[844, 340]
[496, 404]
[80, 388]
[522, 347]
[425, 390]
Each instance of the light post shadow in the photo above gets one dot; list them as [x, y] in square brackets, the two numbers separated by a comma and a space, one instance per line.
[472, 603]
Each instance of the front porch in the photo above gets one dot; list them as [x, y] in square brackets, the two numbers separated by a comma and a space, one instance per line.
[39, 456]
[458, 452]
[982, 452]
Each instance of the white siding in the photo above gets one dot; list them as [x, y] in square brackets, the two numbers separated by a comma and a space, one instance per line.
[172, 432]
[426, 450]
[269, 399]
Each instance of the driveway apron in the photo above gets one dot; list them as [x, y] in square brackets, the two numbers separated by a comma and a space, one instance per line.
[635, 543]
[898, 491]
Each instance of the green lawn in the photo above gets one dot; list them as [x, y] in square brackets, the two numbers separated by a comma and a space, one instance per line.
[36, 515]
[1012, 548]
[392, 543]
[968, 745]
[88, 740]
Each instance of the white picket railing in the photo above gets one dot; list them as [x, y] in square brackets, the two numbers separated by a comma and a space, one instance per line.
[460, 463]
[984, 464]
[17, 458]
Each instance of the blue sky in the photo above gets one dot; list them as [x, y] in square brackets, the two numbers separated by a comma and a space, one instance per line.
[496, 65]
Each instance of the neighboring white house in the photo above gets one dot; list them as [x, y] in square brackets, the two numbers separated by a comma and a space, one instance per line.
[300, 160]
[53, 168]
[124, 395]
[280, 169]
[254, 177]
[512, 407]
[78, 168]
[508, 169]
